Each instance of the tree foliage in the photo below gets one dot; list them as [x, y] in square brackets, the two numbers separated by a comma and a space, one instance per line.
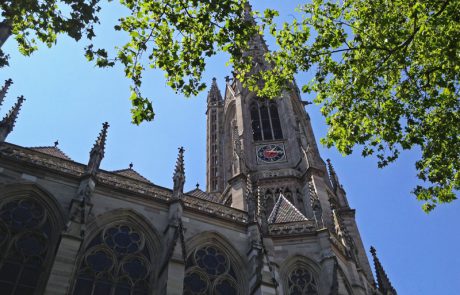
[42, 20]
[387, 77]
[386, 72]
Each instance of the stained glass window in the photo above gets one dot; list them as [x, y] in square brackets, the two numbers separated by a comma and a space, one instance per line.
[116, 261]
[210, 272]
[302, 282]
[25, 245]
[265, 121]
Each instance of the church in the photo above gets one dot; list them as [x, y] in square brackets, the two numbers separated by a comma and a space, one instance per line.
[273, 219]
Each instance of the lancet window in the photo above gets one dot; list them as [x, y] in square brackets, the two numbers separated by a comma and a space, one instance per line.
[301, 282]
[27, 241]
[117, 261]
[265, 121]
[209, 271]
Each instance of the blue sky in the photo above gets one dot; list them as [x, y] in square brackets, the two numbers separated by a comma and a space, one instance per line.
[68, 99]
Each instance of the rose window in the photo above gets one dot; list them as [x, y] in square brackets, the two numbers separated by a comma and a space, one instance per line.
[209, 272]
[116, 261]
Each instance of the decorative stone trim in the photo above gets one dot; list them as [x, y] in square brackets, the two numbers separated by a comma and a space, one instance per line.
[292, 228]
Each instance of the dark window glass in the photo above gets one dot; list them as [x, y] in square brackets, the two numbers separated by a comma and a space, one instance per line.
[209, 271]
[301, 281]
[277, 133]
[117, 264]
[256, 129]
[24, 244]
[266, 127]
[269, 204]
[265, 121]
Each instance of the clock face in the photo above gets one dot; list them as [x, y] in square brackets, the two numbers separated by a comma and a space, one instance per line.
[270, 153]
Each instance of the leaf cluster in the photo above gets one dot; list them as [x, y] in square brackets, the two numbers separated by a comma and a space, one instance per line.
[30, 21]
[386, 75]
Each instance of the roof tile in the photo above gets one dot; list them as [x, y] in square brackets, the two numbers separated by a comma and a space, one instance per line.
[52, 151]
[284, 211]
[131, 173]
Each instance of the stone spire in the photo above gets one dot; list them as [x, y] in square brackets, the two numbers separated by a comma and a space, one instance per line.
[97, 152]
[179, 175]
[383, 281]
[333, 176]
[257, 47]
[214, 95]
[5, 90]
[7, 124]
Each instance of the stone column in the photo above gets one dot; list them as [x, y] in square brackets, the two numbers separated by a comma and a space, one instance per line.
[176, 274]
[63, 269]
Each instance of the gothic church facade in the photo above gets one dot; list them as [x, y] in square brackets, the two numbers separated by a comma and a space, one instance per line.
[274, 218]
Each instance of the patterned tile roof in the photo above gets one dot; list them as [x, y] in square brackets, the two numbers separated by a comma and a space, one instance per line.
[284, 212]
[52, 151]
[203, 195]
[131, 173]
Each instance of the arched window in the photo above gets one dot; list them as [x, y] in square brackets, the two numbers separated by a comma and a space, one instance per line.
[265, 120]
[301, 281]
[117, 261]
[27, 240]
[269, 202]
[209, 271]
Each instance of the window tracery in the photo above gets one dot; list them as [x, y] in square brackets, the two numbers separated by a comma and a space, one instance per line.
[265, 120]
[302, 282]
[116, 261]
[209, 271]
[26, 242]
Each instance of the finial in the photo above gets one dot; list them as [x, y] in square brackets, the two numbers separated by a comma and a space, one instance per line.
[5, 90]
[197, 185]
[131, 166]
[97, 152]
[179, 175]
[56, 143]
[214, 92]
[7, 124]
[384, 284]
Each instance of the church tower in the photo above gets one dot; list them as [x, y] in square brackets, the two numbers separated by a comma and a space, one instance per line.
[263, 158]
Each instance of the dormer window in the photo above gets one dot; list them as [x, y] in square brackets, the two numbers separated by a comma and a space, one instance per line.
[265, 121]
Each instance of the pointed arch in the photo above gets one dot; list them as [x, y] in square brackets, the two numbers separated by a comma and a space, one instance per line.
[265, 120]
[31, 221]
[213, 265]
[300, 275]
[119, 254]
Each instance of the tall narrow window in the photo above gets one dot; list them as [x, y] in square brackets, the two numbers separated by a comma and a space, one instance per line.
[116, 262]
[265, 121]
[209, 271]
[256, 130]
[25, 244]
[277, 133]
[266, 125]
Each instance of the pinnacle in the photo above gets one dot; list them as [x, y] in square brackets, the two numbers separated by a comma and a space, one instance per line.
[179, 175]
[332, 175]
[383, 281]
[4, 90]
[214, 92]
[99, 145]
[97, 152]
[7, 124]
[180, 162]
